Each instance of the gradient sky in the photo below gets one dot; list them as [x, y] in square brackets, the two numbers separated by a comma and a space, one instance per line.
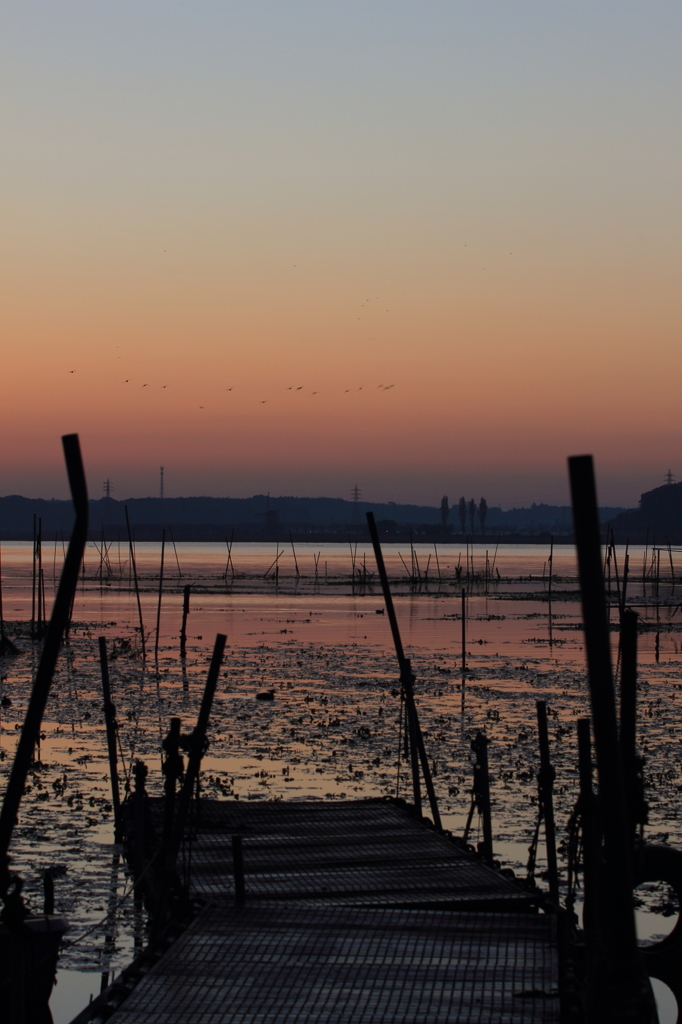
[430, 247]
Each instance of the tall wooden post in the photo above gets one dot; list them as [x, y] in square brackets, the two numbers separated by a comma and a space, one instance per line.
[546, 786]
[626, 992]
[110, 721]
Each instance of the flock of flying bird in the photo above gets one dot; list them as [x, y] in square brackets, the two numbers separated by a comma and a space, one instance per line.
[263, 401]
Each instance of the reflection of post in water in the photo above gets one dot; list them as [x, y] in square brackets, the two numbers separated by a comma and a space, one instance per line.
[109, 947]
[549, 590]
[138, 926]
[464, 631]
[183, 628]
[463, 702]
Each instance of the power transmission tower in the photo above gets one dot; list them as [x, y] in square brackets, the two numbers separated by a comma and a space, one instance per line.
[355, 495]
[108, 488]
[669, 477]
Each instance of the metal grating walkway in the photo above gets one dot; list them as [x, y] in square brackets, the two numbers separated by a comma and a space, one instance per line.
[282, 963]
[364, 852]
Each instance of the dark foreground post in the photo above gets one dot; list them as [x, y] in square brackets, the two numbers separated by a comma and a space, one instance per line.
[546, 786]
[589, 816]
[32, 960]
[110, 720]
[417, 748]
[482, 794]
[140, 773]
[48, 659]
[172, 770]
[625, 992]
[196, 752]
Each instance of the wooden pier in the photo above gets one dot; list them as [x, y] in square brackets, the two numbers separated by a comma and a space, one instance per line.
[353, 911]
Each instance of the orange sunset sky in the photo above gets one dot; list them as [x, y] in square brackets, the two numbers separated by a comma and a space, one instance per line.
[427, 248]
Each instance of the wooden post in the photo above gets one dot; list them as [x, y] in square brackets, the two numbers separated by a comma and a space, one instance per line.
[238, 871]
[140, 773]
[196, 752]
[625, 988]
[137, 589]
[546, 787]
[294, 553]
[158, 607]
[672, 568]
[435, 548]
[464, 630]
[177, 560]
[41, 590]
[417, 748]
[628, 717]
[185, 613]
[14, 788]
[110, 721]
[626, 569]
[33, 583]
[589, 815]
[482, 791]
[172, 770]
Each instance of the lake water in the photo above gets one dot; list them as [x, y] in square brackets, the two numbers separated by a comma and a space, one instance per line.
[316, 634]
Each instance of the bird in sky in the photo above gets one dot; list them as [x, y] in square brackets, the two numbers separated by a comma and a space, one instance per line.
[72, 371]
[300, 389]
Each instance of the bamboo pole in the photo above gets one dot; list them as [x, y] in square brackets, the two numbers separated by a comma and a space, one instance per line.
[464, 630]
[158, 607]
[177, 560]
[183, 628]
[110, 720]
[137, 589]
[417, 748]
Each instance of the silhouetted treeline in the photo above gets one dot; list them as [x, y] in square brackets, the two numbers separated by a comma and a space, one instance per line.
[259, 517]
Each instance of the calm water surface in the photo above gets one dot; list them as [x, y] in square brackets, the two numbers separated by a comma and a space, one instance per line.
[324, 646]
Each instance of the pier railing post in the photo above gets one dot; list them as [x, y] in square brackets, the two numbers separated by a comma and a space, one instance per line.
[172, 770]
[196, 752]
[546, 787]
[482, 794]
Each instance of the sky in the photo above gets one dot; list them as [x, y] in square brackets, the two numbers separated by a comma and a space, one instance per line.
[426, 248]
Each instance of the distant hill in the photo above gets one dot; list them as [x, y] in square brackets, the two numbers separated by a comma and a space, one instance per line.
[258, 517]
[659, 514]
